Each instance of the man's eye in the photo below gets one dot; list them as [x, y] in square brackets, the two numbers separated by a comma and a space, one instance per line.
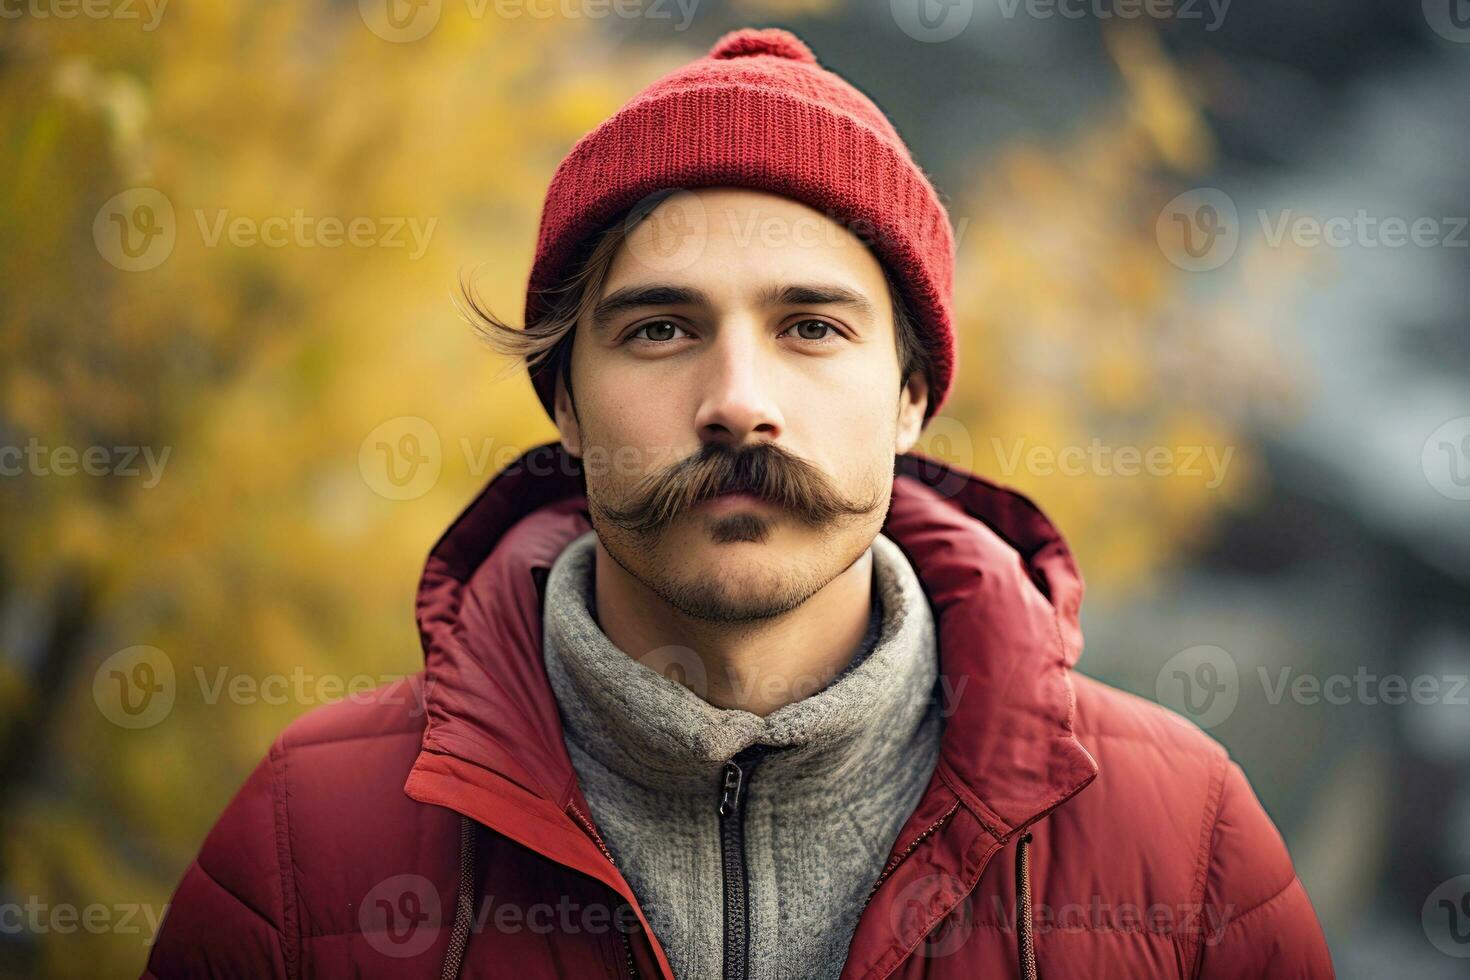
[805, 328]
[659, 331]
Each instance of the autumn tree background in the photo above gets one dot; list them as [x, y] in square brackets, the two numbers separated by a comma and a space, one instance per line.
[267, 563]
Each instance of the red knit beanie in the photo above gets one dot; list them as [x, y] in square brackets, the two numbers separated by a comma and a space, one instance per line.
[759, 112]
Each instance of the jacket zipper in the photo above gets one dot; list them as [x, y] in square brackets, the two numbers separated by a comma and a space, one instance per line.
[1025, 940]
[898, 858]
[588, 826]
[732, 860]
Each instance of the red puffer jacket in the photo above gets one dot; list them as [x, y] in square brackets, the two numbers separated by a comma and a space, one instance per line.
[436, 828]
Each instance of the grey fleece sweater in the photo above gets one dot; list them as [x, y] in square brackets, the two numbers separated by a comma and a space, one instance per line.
[821, 812]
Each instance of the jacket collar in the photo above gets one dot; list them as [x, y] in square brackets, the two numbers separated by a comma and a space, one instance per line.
[1004, 588]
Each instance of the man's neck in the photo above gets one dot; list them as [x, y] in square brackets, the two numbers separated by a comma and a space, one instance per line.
[756, 667]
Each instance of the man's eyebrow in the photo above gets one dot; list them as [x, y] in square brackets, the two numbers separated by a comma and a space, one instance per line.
[633, 297]
[817, 294]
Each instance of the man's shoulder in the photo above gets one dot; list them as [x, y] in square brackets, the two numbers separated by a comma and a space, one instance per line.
[1183, 827]
[1160, 778]
[320, 821]
[1135, 726]
[391, 712]
[352, 755]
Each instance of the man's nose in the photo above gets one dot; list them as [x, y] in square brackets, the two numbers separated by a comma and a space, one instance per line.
[739, 385]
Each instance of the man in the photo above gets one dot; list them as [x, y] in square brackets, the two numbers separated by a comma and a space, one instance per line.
[728, 682]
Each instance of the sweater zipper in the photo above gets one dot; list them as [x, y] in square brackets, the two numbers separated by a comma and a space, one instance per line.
[732, 859]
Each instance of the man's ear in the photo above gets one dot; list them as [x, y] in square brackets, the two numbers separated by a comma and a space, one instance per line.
[566, 419]
[912, 403]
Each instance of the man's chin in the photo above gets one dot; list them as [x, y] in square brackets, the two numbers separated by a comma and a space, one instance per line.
[691, 569]
[703, 568]
[731, 595]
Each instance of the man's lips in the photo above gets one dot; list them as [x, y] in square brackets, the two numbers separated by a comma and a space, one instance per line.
[733, 501]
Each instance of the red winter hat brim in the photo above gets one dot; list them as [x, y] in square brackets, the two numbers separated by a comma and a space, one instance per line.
[789, 128]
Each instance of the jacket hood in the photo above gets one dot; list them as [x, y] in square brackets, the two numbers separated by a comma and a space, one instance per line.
[1003, 585]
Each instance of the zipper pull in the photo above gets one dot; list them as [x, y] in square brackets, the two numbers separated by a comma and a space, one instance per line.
[731, 794]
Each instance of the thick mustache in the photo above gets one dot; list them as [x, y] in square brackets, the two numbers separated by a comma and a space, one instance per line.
[766, 471]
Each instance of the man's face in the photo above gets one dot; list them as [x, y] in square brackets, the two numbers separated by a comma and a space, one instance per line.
[742, 342]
